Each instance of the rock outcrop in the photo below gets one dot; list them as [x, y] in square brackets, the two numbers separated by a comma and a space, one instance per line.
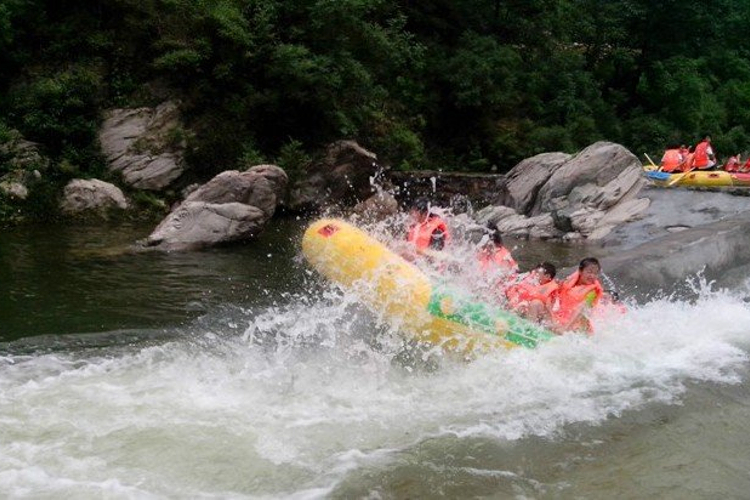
[556, 195]
[145, 145]
[25, 165]
[377, 207]
[523, 182]
[664, 263]
[508, 221]
[92, 197]
[233, 206]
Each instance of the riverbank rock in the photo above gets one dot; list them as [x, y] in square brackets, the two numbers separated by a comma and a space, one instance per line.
[523, 182]
[509, 222]
[584, 196]
[24, 164]
[91, 197]
[21, 155]
[145, 145]
[345, 176]
[377, 207]
[233, 206]
[664, 264]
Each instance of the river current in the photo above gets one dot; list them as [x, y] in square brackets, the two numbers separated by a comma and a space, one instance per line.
[239, 373]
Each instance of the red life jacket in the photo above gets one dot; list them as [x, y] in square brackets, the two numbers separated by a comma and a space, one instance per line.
[746, 166]
[500, 257]
[700, 159]
[732, 165]
[421, 234]
[572, 296]
[671, 160]
[529, 289]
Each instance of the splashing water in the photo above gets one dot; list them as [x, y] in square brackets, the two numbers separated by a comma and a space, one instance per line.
[297, 399]
[310, 392]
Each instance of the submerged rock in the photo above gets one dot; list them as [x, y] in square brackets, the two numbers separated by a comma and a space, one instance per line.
[197, 224]
[233, 206]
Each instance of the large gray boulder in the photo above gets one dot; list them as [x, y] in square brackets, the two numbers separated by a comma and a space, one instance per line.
[598, 177]
[197, 224]
[664, 263]
[676, 210]
[524, 181]
[343, 177]
[584, 196]
[509, 222]
[91, 197]
[263, 186]
[233, 206]
[144, 145]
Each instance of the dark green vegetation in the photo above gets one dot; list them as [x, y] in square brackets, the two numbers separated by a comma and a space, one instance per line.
[461, 85]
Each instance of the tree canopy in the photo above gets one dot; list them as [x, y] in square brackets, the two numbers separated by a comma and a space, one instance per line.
[453, 84]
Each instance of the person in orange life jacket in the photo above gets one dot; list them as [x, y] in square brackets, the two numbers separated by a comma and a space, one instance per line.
[672, 159]
[428, 231]
[704, 158]
[688, 157]
[745, 168]
[733, 164]
[535, 295]
[497, 267]
[578, 293]
[493, 254]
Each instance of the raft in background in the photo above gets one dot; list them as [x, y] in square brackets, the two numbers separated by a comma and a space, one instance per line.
[699, 178]
[403, 296]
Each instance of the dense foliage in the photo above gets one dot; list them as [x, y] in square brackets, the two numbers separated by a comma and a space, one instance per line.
[453, 84]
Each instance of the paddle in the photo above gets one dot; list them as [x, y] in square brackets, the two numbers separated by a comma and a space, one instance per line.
[677, 178]
[656, 167]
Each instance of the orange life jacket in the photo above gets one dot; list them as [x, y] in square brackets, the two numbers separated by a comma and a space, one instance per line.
[732, 165]
[529, 289]
[700, 158]
[500, 257]
[572, 296]
[421, 234]
[671, 160]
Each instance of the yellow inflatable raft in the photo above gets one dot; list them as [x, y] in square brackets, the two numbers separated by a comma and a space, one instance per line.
[403, 296]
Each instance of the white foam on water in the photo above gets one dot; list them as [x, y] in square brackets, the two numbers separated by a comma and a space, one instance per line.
[314, 389]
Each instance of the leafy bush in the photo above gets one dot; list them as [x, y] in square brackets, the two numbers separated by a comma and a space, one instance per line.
[59, 110]
[293, 159]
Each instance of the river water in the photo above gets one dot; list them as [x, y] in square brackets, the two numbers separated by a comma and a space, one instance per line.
[238, 373]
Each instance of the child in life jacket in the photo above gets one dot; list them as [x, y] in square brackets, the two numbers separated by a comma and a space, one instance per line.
[497, 267]
[579, 293]
[672, 159]
[428, 233]
[534, 296]
[494, 255]
[733, 164]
